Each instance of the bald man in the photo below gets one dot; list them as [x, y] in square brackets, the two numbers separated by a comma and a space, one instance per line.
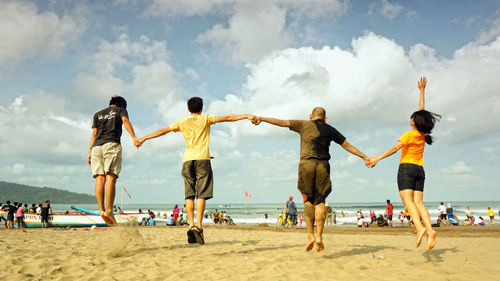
[314, 168]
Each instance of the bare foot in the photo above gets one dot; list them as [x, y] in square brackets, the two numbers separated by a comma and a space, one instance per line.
[431, 240]
[310, 244]
[110, 218]
[319, 245]
[105, 218]
[420, 235]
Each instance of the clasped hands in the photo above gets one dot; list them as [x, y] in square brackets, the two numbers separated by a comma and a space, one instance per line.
[370, 162]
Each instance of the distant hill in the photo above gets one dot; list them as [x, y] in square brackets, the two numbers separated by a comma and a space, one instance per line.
[31, 194]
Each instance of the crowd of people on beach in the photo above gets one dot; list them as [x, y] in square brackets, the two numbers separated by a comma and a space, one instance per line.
[17, 211]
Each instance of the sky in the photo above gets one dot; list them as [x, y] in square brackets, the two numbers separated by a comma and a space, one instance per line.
[61, 61]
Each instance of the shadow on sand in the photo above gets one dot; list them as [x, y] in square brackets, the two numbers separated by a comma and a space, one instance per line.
[358, 250]
[434, 255]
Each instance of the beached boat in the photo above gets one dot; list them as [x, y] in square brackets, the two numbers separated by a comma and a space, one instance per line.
[78, 220]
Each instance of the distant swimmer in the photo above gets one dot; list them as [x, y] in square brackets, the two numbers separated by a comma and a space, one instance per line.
[411, 173]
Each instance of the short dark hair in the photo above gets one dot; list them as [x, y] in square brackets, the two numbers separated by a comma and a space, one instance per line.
[8, 202]
[195, 104]
[424, 122]
[118, 101]
[388, 201]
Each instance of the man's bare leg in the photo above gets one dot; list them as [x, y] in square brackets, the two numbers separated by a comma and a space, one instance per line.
[110, 197]
[190, 210]
[100, 181]
[309, 214]
[424, 214]
[319, 215]
[200, 211]
[407, 197]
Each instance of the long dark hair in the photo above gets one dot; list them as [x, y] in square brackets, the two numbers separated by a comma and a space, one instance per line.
[424, 122]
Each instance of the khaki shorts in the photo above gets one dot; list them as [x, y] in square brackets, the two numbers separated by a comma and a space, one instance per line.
[106, 159]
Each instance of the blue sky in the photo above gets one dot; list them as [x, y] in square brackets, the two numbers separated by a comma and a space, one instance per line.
[62, 60]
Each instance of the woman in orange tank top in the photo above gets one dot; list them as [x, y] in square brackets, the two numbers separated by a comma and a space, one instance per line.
[411, 173]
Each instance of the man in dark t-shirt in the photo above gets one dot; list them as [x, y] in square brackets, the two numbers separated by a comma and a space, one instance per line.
[105, 154]
[314, 169]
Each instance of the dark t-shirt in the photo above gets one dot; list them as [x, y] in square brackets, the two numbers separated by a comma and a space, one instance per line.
[292, 209]
[45, 210]
[109, 125]
[328, 210]
[9, 208]
[315, 138]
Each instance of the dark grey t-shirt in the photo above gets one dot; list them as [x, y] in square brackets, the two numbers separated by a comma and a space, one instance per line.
[315, 138]
[292, 209]
[109, 125]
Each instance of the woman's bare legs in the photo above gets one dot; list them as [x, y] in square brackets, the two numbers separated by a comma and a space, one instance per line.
[407, 195]
[424, 214]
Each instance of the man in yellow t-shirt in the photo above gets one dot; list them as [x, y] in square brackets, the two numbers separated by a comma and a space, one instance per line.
[491, 213]
[196, 167]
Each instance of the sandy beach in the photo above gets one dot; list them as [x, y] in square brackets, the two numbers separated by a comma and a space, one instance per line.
[247, 253]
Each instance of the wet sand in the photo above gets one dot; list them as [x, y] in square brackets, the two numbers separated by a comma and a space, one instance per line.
[248, 253]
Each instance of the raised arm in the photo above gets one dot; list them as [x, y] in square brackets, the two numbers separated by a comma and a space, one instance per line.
[273, 121]
[373, 160]
[155, 134]
[421, 86]
[130, 130]
[352, 149]
[232, 117]
[92, 139]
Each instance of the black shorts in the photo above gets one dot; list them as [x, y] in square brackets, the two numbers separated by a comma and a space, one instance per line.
[411, 176]
[45, 218]
[314, 180]
[443, 217]
[389, 217]
[198, 179]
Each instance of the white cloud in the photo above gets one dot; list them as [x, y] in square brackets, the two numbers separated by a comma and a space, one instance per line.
[254, 29]
[18, 169]
[357, 87]
[386, 9]
[239, 40]
[184, 7]
[42, 130]
[28, 33]
[151, 78]
[457, 168]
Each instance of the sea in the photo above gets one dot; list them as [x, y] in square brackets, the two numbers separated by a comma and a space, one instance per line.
[256, 213]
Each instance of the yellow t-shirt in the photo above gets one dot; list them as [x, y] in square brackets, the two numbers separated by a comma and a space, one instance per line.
[413, 148]
[491, 213]
[196, 132]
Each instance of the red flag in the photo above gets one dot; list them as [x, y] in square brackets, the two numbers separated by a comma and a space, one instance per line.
[127, 192]
[247, 194]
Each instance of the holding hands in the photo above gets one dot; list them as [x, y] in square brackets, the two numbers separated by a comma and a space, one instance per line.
[255, 120]
[370, 162]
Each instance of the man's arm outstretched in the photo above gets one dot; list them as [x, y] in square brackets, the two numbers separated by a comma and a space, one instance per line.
[157, 133]
[233, 117]
[352, 149]
[277, 122]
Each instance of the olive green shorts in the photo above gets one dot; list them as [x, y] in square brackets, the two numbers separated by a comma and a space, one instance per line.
[314, 180]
